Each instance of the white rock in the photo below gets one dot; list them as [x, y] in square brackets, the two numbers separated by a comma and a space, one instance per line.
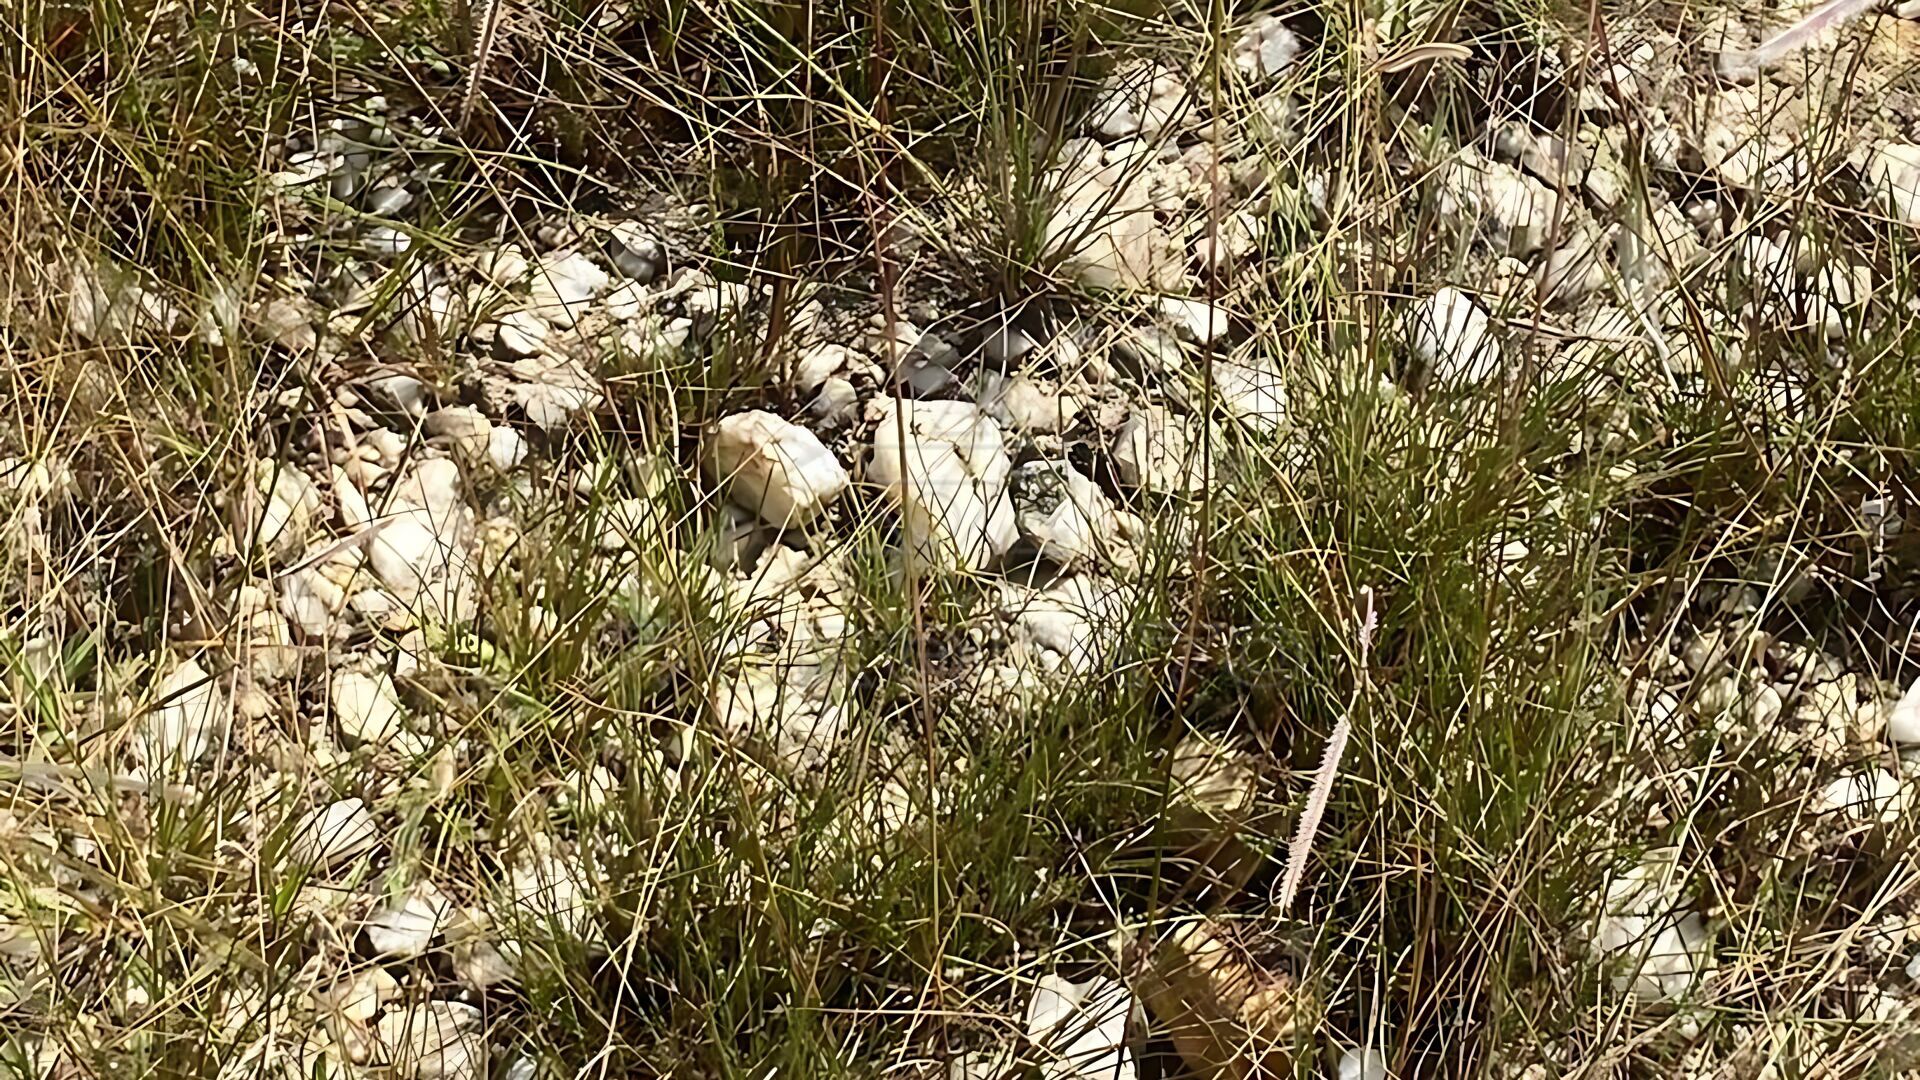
[388, 445]
[464, 428]
[505, 266]
[1075, 620]
[1866, 796]
[1749, 142]
[434, 484]
[520, 334]
[357, 1000]
[189, 718]
[553, 390]
[1006, 344]
[1656, 950]
[385, 242]
[405, 927]
[1358, 1064]
[819, 363]
[945, 467]
[405, 391]
[420, 552]
[368, 711]
[1266, 49]
[1022, 404]
[430, 311]
[1079, 1030]
[313, 597]
[1105, 226]
[506, 448]
[435, 1040]
[290, 502]
[288, 321]
[549, 894]
[1062, 515]
[789, 709]
[333, 834]
[1251, 393]
[480, 964]
[1451, 339]
[1512, 210]
[635, 251]
[1140, 99]
[777, 469]
[265, 637]
[388, 200]
[1155, 452]
[48, 481]
[1576, 269]
[303, 170]
[837, 402]
[564, 286]
[629, 302]
[107, 304]
[1661, 250]
[1903, 720]
[1195, 320]
[1893, 172]
[426, 570]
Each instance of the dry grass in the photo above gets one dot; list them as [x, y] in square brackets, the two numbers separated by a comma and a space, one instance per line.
[1541, 548]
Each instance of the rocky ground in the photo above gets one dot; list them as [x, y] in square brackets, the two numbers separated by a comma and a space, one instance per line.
[570, 595]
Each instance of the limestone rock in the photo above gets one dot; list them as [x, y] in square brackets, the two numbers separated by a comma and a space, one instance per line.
[368, 711]
[774, 468]
[786, 708]
[564, 286]
[1141, 99]
[1655, 947]
[944, 465]
[1511, 210]
[521, 334]
[333, 834]
[1452, 340]
[1195, 320]
[1079, 1030]
[1023, 404]
[1367, 1064]
[421, 551]
[1903, 720]
[405, 926]
[435, 1040]
[1156, 452]
[1105, 227]
[463, 428]
[1893, 174]
[1266, 49]
[1062, 515]
[1070, 626]
[189, 718]
[314, 596]
[289, 502]
[1866, 796]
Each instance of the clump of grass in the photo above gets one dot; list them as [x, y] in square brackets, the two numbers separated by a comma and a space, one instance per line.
[889, 905]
